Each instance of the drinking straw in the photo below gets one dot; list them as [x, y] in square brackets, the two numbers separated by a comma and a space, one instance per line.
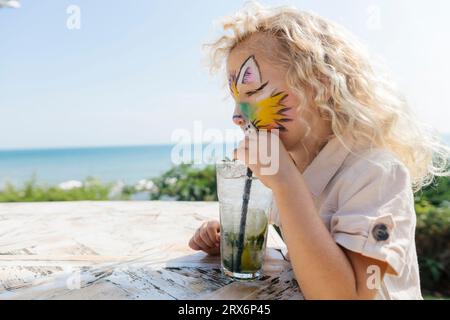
[242, 223]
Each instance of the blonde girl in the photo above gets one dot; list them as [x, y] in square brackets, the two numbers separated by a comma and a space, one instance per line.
[350, 154]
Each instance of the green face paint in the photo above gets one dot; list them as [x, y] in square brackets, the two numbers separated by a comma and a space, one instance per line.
[247, 111]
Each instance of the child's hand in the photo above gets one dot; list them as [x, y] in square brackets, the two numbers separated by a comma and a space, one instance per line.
[207, 238]
[264, 153]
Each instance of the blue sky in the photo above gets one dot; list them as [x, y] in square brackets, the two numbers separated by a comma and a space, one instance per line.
[133, 74]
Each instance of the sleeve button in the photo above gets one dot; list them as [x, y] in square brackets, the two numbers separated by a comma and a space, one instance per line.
[380, 232]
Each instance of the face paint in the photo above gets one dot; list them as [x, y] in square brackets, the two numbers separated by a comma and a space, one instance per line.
[268, 113]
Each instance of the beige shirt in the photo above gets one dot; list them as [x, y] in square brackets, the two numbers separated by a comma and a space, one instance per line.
[366, 202]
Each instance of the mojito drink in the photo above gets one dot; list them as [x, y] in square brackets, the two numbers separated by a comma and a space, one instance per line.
[250, 261]
[242, 247]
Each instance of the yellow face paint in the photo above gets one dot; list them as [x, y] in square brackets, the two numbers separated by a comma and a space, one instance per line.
[234, 90]
[268, 113]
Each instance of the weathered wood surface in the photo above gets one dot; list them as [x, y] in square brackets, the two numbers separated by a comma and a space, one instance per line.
[122, 250]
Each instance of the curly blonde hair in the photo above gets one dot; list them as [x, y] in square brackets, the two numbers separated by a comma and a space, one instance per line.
[357, 100]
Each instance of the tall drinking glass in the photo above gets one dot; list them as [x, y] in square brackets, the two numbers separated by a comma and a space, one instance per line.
[243, 223]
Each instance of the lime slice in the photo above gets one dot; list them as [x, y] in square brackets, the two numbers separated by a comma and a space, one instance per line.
[256, 223]
[248, 263]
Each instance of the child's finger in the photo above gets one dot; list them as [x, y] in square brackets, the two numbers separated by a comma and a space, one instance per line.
[214, 226]
[242, 147]
[244, 142]
[198, 241]
[193, 245]
[217, 227]
[235, 155]
[213, 230]
[205, 238]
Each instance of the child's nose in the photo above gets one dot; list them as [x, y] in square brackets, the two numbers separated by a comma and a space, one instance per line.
[238, 120]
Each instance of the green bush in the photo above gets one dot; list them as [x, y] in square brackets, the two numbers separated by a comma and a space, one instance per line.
[91, 189]
[437, 194]
[433, 236]
[433, 247]
[186, 183]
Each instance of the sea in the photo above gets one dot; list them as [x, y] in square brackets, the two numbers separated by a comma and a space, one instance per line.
[128, 164]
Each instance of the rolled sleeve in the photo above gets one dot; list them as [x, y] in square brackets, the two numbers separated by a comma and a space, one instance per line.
[375, 215]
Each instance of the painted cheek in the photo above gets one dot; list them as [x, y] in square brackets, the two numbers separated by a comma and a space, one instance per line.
[246, 111]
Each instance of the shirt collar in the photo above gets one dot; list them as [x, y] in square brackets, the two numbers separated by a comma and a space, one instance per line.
[325, 165]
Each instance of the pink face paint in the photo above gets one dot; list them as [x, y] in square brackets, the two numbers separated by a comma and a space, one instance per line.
[251, 72]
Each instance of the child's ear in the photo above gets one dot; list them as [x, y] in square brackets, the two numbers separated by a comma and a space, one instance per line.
[249, 72]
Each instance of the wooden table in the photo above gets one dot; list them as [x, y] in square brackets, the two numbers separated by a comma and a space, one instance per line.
[122, 250]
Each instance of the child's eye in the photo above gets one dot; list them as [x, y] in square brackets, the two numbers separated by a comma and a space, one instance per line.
[257, 90]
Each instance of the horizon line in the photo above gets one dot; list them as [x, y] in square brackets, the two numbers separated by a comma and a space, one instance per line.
[104, 146]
